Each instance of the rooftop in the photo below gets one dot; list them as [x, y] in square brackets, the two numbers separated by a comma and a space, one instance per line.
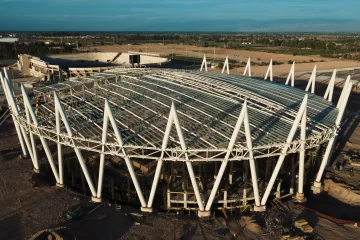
[208, 106]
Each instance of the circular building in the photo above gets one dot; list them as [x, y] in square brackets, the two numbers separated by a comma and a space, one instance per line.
[176, 139]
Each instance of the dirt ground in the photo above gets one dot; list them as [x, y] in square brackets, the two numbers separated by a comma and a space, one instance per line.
[303, 63]
[27, 207]
[28, 203]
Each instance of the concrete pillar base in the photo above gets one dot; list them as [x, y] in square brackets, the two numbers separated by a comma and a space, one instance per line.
[96, 199]
[317, 188]
[60, 185]
[36, 170]
[202, 214]
[259, 208]
[146, 209]
[300, 198]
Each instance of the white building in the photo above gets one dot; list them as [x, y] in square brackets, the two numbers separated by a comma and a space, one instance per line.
[9, 40]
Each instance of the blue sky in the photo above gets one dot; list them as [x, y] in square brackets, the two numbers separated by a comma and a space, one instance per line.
[181, 15]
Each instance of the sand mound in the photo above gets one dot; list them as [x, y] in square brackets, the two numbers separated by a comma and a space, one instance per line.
[342, 193]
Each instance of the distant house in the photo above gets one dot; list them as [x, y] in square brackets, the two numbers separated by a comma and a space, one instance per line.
[8, 40]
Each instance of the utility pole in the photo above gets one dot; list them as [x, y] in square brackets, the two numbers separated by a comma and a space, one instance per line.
[214, 55]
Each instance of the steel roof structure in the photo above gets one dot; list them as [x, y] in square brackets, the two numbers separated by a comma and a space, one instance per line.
[178, 115]
[208, 105]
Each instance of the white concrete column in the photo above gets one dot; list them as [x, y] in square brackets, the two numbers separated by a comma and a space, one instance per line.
[60, 110]
[102, 155]
[312, 81]
[160, 161]
[188, 163]
[327, 156]
[226, 65]
[17, 128]
[291, 76]
[251, 160]
[343, 92]
[30, 109]
[32, 140]
[284, 150]
[278, 190]
[185, 200]
[269, 71]
[59, 149]
[330, 89]
[225, 161]
[248, 68]
[204, 64]
[300, 193]
[127, 159]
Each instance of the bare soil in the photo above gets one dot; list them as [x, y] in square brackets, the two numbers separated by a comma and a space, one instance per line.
[28, 203]
[303, 63]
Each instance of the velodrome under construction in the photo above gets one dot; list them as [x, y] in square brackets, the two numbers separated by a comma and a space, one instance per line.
[180, 139]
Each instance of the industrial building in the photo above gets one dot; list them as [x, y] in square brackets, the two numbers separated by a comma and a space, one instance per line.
[188, 140]
[9, 39]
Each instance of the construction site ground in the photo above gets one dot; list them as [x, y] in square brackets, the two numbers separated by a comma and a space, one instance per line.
[303, 63]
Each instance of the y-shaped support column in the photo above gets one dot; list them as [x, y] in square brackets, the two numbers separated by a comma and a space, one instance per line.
[269, 71]
[203, 64]
[59, 110]
[226, 65]
[248, 68]
[317, 188]
[291, 75]
[284, 150]
[109, 116]
[13, 106]
[30, 111]
[330, 89]
[242, 118]
[312, 81]
[17, 128]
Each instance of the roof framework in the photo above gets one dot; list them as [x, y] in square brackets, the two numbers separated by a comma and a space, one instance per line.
[132, 113]
[208, 106]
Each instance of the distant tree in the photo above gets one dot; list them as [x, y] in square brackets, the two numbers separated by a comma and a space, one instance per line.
[276, 43]
[331, 46]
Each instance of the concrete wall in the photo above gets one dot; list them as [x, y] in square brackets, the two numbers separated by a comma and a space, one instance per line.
[24, 64]
[92, 56]
[102, 57]
[123, 59]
